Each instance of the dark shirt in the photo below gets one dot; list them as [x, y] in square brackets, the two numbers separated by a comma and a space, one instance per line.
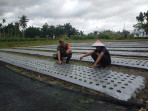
[106, 52]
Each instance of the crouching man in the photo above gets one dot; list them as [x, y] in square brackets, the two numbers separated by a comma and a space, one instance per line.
[100, 55]
[63, 50]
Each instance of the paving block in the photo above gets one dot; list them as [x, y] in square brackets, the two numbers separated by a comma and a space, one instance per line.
[115, 84]
[115, 61]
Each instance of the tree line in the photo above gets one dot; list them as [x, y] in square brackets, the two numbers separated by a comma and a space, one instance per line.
[46, 31]
[19, 29]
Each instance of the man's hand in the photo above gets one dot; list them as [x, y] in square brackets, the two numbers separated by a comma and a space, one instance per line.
[60, 62]
[81, 57]
[93, 66]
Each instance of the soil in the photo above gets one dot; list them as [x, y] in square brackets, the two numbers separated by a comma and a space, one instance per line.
[142, 97]
[22, 93]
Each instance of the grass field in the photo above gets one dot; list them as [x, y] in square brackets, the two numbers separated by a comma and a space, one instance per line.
[9, 43]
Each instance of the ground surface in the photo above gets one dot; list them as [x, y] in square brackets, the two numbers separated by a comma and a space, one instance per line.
[20, 93]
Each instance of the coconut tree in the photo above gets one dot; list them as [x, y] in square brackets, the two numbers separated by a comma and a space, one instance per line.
[0, 29]
[23, 23]
[3, 21]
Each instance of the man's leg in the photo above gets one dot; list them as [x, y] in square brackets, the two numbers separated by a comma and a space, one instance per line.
[69, 55]
[105, 61]
[61, 56]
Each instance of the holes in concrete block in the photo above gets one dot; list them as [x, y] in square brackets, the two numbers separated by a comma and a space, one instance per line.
[123, 87]
[95, 79]
[102, 81]
[118, 91]
[108, 83]
[130, 81]
[90, 82]
[115, 85]
[75, 78]
[126, 84]
[80, 79]
[112, 80]
[119, 82]
[97, 84]
[104, 86]
[85, 80]
[134, 77]
[110, 88]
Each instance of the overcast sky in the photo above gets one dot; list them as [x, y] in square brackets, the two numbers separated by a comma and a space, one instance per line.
[86, 15]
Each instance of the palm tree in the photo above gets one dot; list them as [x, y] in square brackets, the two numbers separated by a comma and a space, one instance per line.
[3, 21]
[23, 23]
[0, 29]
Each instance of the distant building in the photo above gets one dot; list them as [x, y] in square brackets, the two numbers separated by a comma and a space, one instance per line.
[140, 33]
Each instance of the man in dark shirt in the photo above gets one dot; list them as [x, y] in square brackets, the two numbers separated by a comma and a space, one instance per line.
[100, 55]
[63, 50]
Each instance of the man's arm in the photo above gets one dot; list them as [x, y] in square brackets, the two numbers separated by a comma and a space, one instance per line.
[68, 48]
[98, 59]
[59, 56]
[89, 53]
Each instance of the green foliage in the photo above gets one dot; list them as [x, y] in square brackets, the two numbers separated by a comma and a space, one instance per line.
[32, 32]
[65, 37]
[78, 37]
[23, 23]
[102, 35]
[142, 24]
[37, 37]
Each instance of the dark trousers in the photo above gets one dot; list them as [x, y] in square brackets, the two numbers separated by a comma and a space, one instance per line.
[69, 55]
[105, 61]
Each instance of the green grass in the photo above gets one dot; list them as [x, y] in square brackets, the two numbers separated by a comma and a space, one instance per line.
[57, 83]
[8, 43]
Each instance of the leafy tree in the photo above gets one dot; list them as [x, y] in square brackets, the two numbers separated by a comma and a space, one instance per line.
[45, 30]
[32, 32]
[51, 31]
[0, 28]
[17, 29]
[3, 21]
[142, 24]
[23, 23]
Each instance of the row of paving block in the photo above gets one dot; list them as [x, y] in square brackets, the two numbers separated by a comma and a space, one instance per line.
[143, 64]
[116, 53]
[118, 85]
[88, 48]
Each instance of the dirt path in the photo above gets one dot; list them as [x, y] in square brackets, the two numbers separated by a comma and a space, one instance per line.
[20, 93]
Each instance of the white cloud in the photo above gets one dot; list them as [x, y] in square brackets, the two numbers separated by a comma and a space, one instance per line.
[86, 15]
